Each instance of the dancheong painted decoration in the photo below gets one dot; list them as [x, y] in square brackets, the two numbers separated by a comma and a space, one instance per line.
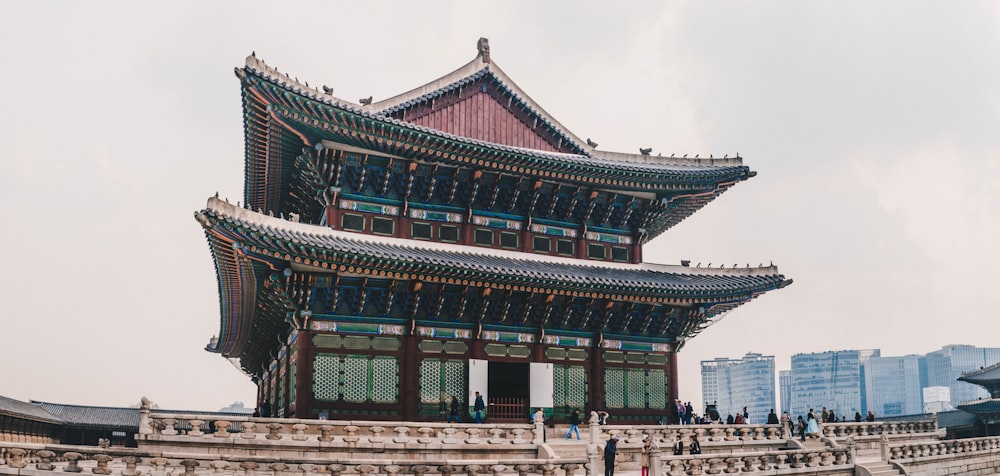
[389, 256]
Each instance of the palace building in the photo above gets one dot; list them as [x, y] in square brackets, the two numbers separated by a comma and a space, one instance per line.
[455, 239]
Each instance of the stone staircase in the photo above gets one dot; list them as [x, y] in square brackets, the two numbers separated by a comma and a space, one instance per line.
[880, 468]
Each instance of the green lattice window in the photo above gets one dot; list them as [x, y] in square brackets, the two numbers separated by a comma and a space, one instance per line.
[569, 389]
[440, 379]
[635, 388]
[356, 378]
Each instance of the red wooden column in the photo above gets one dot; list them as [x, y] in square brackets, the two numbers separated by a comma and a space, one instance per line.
[672, 393]
[595, 392]
[303, 375]
[410, 370]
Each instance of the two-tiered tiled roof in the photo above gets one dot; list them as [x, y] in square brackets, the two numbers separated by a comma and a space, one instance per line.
[247, 246]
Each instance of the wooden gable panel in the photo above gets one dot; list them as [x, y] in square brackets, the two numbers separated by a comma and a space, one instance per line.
[480, 116]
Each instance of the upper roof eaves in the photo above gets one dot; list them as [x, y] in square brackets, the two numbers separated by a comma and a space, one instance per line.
[471, 72]
[982, 375]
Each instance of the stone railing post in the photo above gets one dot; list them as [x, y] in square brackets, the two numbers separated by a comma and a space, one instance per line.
[393, 469]
[219, 467]
[196, 428]
[273, 431]
[300, 432]
[448, 437]
[45, 458]
[592, 457]
[884, 444]
[496, 436]
[426, 435]
[159, 466]
[336, 469]
[595, 428]
[352, 437]
[402, 434]
[15, 458]
[249, 430]
[168, 426]
[654, 460]
[190, 465]
[539, 431]
[278, 469]
[145, 425]
[222, 429]
[473, 469]
[326, 433]
[102, 464]
[131, 462]
[249, 468]
[72, 462]
[308, 469]
[376, 434]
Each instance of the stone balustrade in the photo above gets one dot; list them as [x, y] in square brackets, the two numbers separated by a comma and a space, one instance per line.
[837, 461]
[16, 458]
[664, 435]
[855, 429]
[911, 451]
[346, 434]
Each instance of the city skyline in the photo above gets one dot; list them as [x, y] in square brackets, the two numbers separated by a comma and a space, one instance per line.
[855, 380]
[872, 135]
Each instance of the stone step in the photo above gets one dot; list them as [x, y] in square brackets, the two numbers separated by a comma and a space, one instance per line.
[880, 469]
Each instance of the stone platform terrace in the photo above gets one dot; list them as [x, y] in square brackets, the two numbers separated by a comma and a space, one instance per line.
[187, 445]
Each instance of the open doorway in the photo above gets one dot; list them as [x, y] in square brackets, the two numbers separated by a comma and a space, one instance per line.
[508, 388]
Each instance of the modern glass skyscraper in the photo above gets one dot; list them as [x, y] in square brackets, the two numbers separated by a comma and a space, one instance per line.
[736, 383]
[946, 365]
[833, 379]
[785, 387]
[893, 385]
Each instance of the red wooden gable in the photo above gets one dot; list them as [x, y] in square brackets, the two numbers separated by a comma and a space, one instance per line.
[482, 116]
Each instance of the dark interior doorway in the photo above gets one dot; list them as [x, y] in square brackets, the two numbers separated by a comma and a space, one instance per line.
[508, 391]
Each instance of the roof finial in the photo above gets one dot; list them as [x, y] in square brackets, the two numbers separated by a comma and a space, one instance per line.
[645, 151]
[483, 45]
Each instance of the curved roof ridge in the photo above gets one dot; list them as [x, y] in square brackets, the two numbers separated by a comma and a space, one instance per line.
[258, 65]
[479, 64]
[433, 86]
[251, 217]
[662, 160]
[972, 376]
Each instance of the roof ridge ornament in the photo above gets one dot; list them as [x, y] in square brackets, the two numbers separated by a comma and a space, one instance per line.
[483, 45]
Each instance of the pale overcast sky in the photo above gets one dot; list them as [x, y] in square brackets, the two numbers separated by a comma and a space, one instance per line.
[874, 127]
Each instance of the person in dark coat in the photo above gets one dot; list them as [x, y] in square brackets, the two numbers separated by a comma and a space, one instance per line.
[772, 418]
[265, 408]
[453, 414]
[694, 448]
[610, 451]
[479, 406]
[679, 445]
